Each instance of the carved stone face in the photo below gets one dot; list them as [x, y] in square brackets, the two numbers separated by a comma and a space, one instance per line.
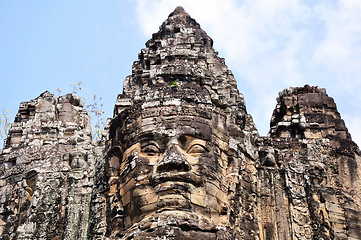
[174, 163]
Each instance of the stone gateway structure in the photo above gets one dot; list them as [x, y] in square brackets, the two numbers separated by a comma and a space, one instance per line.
[181, 158]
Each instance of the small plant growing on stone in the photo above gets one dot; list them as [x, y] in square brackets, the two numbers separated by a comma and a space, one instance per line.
[174, 84]
[96, 117]
[77, 87]
[95, 110]
[58, 91]
[4, 124]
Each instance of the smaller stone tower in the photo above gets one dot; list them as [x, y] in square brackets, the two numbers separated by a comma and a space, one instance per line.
[46, 171]
[182, 158]
[307, 112]
[309, 174]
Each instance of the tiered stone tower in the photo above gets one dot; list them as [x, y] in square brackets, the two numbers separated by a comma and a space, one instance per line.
[310, 171]
[47, 166]
[181, 158]
[181, 132]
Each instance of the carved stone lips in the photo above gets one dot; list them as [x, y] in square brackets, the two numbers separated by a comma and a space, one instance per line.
[179, 177]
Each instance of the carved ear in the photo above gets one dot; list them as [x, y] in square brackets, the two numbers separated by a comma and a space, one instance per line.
[31, 182]
[115, 216]
[232, 161]
[233, 166]
[113, 161]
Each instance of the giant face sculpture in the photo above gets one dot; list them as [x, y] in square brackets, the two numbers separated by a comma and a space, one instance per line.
[171, 152]
[175, 158]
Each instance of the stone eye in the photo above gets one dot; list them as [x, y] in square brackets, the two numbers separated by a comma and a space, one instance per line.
[197, 148]
[151, 150]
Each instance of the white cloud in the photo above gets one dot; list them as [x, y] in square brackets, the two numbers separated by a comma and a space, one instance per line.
[271, 45]
[340, 50]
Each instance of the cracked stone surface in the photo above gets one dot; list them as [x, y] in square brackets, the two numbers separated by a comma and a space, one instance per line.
[46, 170]
[181, 158]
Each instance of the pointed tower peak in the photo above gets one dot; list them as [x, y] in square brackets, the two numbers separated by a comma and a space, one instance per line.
[178, 11]
[179, 21]
[180, 59]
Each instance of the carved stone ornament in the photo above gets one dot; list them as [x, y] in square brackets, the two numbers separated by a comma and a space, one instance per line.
[181, 158]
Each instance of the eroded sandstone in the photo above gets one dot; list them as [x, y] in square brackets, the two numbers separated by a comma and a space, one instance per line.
[46, 168]
[181, 158]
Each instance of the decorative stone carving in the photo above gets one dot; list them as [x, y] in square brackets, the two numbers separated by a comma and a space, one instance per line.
[181, 158]
[46, 171]
[172, 144]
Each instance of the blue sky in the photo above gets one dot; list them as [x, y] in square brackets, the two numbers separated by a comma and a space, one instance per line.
[268, 45]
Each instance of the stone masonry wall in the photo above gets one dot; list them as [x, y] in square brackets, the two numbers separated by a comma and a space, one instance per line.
[310, 184]
[46, 169]
[181, 158]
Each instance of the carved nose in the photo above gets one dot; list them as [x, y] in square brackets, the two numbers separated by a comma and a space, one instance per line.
[174, 160]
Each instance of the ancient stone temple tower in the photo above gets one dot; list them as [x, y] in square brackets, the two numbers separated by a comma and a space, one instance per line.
[179, 135]
[47, 166]
[181, 159]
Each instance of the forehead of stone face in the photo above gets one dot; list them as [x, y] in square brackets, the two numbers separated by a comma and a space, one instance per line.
[177, 89]
[185, 109]
[167, 122]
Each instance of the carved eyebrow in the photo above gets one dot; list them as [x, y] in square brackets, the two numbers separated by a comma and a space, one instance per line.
[187, 139]
[198, 145]
[150, 148]
[147, 143]
[159, 140]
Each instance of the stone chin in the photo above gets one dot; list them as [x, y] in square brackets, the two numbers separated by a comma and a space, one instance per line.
[163, 223]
